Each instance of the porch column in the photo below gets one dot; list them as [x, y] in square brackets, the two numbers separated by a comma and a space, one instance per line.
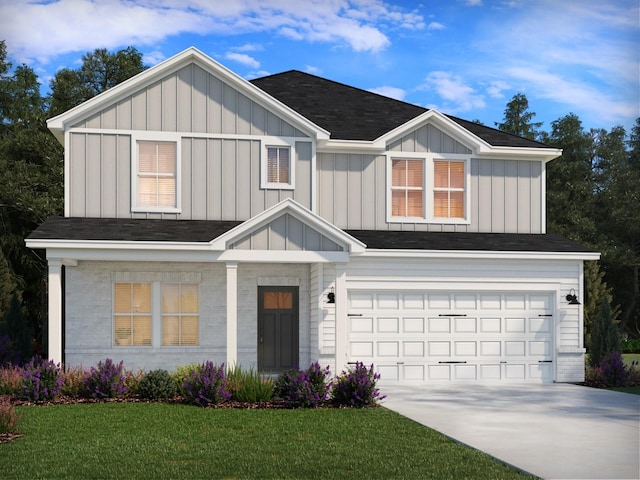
[232, 314]
[55, 310]
[341, 317]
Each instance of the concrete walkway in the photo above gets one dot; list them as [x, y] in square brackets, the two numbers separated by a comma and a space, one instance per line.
[554, 431]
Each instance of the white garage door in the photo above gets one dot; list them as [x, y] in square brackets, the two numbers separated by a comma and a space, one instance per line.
[425, 336]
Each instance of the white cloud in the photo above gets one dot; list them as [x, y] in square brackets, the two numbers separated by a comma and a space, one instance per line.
[153, 58]
[242, 58]
[392, 92]
[41, 31]
[457, 95]
[435, 26]
[313, 70]
[474, 3]
[249, 47]
[496, 88]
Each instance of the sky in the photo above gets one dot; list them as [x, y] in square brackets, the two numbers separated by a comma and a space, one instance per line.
[466, 58]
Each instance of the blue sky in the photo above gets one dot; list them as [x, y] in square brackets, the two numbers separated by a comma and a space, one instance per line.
[462, 57]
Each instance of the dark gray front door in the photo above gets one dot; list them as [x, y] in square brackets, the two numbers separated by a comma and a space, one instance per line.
[277, 329]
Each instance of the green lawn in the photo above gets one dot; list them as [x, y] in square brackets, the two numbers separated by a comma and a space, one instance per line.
[627, 358]
[138, 440]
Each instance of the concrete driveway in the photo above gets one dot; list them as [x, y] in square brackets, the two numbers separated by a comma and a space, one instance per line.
[554, 431]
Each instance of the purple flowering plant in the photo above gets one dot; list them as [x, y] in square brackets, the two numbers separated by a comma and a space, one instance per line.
[304, 388]
[107, 380]
[206, 385]
[41, 379]
[613, 371]
[357, 387]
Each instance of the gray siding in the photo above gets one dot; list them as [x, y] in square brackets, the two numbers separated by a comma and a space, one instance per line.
[191, 100]
[286, 233]
[428, 139]
[506, 196]
[219, 178]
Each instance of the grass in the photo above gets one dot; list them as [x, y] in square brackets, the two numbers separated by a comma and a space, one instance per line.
[156, 440]
[627, 358]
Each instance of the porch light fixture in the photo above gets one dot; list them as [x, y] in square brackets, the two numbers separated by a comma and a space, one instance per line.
[572, 298]
[331, 296]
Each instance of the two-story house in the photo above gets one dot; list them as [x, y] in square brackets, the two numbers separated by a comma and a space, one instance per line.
[289, 219]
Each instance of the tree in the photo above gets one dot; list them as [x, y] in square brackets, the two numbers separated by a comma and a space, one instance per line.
[605, 336]
[15, 326]
[100, 71]
[596, 292]
[518, 120]
[7, 285]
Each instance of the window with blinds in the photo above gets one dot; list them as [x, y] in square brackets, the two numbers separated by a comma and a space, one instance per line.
[156, 176]
[278, 165]
[180, 318]
[132, 314]
[448, 189]
[407, 188]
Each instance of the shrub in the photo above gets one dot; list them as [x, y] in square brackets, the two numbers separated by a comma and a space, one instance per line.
[356, 387]
[249, 386]
[74, 382]
[10, 380]
[183, 372]
[41, 379]
[631, 345]
[304, 388]
[613, 371]
[157, 384]
[206, 385]
[8, 418]
[107, 380]
[605, 335]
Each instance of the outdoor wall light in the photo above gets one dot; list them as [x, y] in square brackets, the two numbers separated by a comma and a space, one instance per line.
[331, 296]
[572, 298]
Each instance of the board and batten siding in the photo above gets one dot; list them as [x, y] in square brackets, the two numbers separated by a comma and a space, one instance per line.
[219, 178]
[506, 195]
[191, 100]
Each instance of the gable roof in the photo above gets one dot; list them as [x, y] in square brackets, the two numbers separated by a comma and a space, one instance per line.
[350, 113]
[191, 55]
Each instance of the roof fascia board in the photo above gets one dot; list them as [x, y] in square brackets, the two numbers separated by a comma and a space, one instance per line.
[293, 208]
[92, 106]
[481, 254]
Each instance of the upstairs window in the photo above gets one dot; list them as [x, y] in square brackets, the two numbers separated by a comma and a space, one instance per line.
[448, 189]
[156, 183]
[428, 188]
[407, 188]
[277, 168]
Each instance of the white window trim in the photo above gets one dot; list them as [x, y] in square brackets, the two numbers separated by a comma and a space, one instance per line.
[167, 137]
[428, 187]
[278, 143]
[156, 315]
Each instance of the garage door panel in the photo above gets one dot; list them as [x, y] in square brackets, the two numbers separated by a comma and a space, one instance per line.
[515, 349]
[465, 372]
[388, 349]
[413, 325]
[515, 325]
[413, 349]
[439, 336]
[440, 349]
[464, 325]
[465, 349]
[439, 325]
[491, 325]
[490, 348]
[388, 324]
[361, 349]
[361, 324]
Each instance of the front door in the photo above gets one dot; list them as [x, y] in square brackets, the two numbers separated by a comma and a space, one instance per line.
[277, 329]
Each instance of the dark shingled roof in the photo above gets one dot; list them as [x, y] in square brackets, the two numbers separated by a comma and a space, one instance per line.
[350, 113]
[141, 230]
[491, 242]
[130, 230]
